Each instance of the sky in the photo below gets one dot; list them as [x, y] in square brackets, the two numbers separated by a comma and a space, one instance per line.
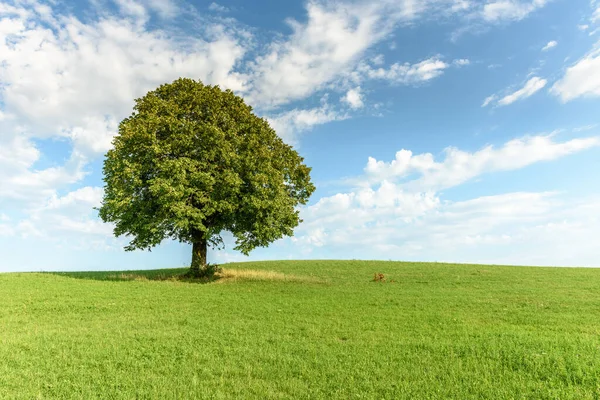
[437, 130]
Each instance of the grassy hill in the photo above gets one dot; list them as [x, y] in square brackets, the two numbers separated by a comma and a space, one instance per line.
[303, 329]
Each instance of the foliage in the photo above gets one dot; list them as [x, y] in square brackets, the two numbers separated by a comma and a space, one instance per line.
[441, 331]
[193, 161]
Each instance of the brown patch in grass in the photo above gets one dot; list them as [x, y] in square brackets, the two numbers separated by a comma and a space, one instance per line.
[127, 277]
[260, 275]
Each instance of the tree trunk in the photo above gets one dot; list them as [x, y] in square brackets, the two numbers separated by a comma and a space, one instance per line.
[198, 267]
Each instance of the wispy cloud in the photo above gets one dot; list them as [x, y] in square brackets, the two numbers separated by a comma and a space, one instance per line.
[405, 74]
[531, 87]
[289, 124]
[461, 62]
[499, 10]
[488, 100]
[143, 8]
[550, 45]
[581, 79]
[217, 7]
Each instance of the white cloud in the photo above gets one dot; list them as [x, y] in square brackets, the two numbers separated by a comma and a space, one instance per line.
[405, 73]
[584, 128]
[354, 98]
[317, 52]
[461, 62]
[88, 196]
[481, 15]
[583, 27]
[522, 228]
[132, 8]
[289, 124]
[93, 136]
[460, 166]
[461, 5]
[550, 45]
[141, 9]
[217, 7]
[581, 79]
[500, 10]
[51, 84]
[397, 212]
[417, 223]
[67, 216]
[329, 45]
[21, 182]
[532, 86]
[488, 100]
[16, 152]
[341, 218]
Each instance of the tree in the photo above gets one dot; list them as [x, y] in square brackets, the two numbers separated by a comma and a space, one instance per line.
[193, 161]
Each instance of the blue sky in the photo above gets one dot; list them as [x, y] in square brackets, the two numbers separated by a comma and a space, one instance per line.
[437, 130]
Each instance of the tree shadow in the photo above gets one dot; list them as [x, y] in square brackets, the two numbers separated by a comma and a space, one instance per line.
[171, 274]
[183, 275]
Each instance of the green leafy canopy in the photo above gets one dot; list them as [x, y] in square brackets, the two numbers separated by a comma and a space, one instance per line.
[193, 161]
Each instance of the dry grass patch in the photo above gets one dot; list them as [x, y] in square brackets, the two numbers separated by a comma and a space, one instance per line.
[260, 275]
[127, 277]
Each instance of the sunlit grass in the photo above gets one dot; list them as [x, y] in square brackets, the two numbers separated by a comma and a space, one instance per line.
[303, 329]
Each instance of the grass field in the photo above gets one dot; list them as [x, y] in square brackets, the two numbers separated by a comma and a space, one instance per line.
[304, 329]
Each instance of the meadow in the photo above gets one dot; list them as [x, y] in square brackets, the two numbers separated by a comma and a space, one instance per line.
[303, 329]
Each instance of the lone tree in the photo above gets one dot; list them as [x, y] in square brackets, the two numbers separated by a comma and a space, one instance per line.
[193, 161]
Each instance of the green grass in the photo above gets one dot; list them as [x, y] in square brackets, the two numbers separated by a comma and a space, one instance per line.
[323, 329]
